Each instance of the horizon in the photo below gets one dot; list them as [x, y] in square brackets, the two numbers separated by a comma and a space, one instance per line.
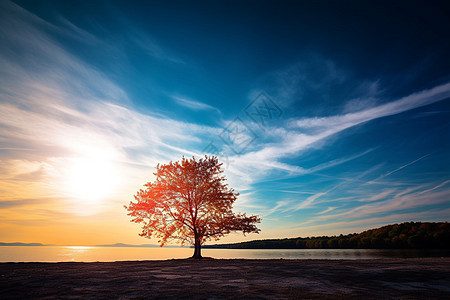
[328, 118]
[149, 245]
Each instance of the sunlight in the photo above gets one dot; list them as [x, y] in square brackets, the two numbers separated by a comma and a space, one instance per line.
[89, 182]
[79, 247]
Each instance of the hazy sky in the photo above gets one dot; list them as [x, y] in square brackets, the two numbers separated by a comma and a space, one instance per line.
[329, 116]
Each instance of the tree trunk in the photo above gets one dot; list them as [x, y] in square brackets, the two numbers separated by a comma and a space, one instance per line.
[198, 249]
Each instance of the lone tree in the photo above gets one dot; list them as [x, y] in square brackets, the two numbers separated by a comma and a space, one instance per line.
[190, 202]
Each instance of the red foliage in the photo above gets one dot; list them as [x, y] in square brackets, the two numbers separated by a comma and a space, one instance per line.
[190, 202]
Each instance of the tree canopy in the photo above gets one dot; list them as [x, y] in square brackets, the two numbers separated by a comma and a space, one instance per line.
[189, 202]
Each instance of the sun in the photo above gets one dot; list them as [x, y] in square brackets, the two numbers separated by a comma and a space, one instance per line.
[89, 182]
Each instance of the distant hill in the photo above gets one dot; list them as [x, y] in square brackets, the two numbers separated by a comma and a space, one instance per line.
[410, 235]
[22, 244]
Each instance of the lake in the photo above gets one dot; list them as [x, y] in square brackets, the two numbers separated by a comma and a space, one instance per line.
[90, 254]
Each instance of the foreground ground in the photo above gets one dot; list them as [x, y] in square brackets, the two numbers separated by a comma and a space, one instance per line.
[218, 279]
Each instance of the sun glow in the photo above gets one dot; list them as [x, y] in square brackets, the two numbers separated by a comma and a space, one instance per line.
[89, 182]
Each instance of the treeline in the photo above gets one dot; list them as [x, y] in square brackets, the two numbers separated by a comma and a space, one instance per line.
[411, 235]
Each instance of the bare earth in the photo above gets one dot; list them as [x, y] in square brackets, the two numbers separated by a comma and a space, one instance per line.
[220, 278]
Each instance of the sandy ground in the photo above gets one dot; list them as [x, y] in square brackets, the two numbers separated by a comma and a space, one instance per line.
[230, 279]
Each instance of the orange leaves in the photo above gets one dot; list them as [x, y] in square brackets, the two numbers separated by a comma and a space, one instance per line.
[189, 201]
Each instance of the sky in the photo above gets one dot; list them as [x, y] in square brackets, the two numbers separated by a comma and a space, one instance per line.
[329, 117]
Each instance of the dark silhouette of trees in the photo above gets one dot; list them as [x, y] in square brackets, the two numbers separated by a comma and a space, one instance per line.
[189, 202]
[410, 235]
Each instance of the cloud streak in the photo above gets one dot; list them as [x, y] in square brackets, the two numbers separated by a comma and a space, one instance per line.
[56, 108]
[195, 105]
[400, 168]
[293, 139]
[345, 121]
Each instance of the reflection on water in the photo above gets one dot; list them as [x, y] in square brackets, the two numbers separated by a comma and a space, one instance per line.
[322, 253]
[79, 247]
[73, 253]
[90, 254]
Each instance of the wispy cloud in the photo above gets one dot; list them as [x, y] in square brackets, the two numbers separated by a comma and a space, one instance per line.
[293, 138]
[377, 197]
[57, 108]
[278, 206]
[308, 201]
[327, 210]
[342, 122]
[400, 168]
[24, 202]
[303, 133]
[337, 162]
[393, 204]
[195, 105]
[440, 185]
[313, 74]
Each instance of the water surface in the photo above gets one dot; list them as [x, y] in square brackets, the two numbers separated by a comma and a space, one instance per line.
[90, 254]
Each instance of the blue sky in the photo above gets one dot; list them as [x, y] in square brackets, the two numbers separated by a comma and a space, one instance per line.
[330, 117]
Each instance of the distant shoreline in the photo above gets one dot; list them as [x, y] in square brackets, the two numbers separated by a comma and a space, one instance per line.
[407, 235]
[18, 244]
[229, 278]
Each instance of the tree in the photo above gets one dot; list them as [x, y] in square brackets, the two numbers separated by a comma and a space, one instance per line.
[190, 202]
